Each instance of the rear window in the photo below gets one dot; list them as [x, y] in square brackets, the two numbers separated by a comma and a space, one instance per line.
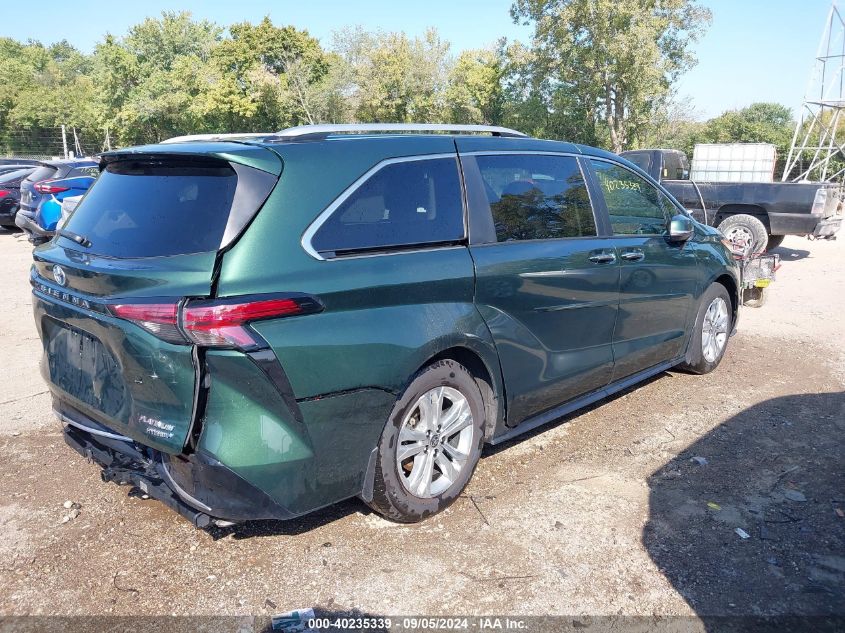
[42, 173]
[640, 159]
[9, 176]
[402, 204]
[138, 209]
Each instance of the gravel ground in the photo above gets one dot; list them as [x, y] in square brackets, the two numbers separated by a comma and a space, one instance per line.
[605, 512]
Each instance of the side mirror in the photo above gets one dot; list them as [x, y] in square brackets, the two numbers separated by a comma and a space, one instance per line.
[681, 228]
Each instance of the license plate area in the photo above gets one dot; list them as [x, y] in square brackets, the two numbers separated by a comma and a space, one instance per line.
[81, 366]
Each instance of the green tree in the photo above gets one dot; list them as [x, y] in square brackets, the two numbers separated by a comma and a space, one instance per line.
[150, 78]
[475, 92]
[757, 123]
[611, 59]
[282, 73]
[391, 77]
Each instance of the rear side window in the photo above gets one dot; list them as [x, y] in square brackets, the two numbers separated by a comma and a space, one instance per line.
[405, 203]
[635, 206]
[140, 209]
[535, 197]
[86, 171]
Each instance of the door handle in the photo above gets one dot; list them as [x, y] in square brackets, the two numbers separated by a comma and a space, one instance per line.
[633, 256]
[603, 258]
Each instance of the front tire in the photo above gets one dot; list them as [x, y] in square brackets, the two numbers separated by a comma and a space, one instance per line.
[713, 325]
[431, 444]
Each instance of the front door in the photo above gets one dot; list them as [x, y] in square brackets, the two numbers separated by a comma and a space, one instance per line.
[659, 279]
[546, 282]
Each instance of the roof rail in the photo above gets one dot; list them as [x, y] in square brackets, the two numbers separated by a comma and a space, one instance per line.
[218, 137]
[316, 132]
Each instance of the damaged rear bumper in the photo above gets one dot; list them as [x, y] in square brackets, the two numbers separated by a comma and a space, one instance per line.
[197, 486]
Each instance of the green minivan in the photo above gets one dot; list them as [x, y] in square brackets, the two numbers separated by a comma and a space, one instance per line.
[256, 326]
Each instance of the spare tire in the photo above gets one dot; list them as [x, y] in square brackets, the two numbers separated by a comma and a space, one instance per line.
[746, 228]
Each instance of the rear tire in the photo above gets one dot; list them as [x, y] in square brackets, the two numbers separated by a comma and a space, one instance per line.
[431, 444]
[713, 325]
[748, 228]
[774, 241]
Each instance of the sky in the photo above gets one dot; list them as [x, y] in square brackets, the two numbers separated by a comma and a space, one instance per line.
[755, 50]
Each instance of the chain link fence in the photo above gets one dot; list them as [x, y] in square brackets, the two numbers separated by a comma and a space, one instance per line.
[50, 143]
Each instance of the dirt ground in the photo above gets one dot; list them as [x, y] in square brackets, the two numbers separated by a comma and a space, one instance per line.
[605, 512]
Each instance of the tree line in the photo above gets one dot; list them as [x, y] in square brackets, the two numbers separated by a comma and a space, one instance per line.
[600, 72]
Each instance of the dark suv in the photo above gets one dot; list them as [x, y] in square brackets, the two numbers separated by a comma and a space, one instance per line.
[255, 327]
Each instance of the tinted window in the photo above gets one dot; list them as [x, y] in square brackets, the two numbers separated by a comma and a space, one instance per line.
[42, 173]
[536, 197]
[640, 159]
[137, 209]
[10, 176]
[634, 205]
[86, 171]
[406, 203]
[674, 166]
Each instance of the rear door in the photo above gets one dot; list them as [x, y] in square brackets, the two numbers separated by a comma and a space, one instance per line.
[108, 289]
[659, 278]
[546, 279]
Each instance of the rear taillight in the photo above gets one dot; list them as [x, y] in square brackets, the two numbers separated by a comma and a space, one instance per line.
[45, 186]
[4, 193]
[220, 323]
[160, 319]
[820, 201]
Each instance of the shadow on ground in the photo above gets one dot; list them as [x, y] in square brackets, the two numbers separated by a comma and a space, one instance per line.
[791, 254]
[776, 472]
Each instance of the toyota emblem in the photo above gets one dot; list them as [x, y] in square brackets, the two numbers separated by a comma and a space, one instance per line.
[59, 275]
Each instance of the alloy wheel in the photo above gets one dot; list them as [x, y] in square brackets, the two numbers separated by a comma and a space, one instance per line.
[714, 330]
[435, 441]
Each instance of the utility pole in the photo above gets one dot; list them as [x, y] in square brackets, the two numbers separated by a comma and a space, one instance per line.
[64, 141]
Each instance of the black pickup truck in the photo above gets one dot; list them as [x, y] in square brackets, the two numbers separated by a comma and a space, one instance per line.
[758, 213]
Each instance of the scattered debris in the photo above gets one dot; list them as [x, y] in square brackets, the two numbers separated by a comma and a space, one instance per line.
[742, 533]
[840, 513]
[269, 603]
[782, 475]
[558, 525]
[116, 586]
[701, 461]
[713, 505]
[483, 518]
[794, 495]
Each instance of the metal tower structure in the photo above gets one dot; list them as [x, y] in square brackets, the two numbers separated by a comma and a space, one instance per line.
[818, 145]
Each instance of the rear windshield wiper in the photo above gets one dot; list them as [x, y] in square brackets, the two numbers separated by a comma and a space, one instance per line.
[76, 237]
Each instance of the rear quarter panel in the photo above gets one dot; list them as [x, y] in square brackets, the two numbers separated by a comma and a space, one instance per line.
[385, 315]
